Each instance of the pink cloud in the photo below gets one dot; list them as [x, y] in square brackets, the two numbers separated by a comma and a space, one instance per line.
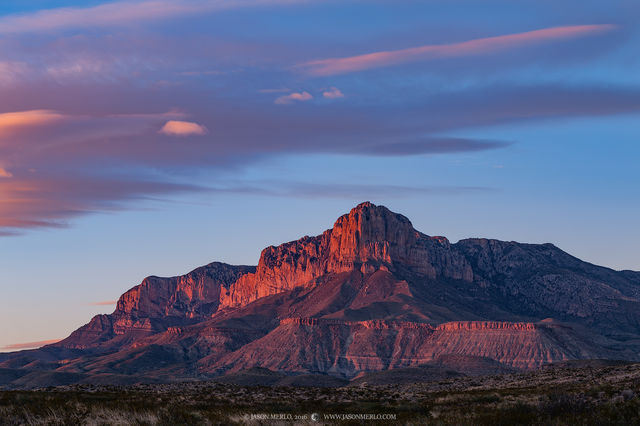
[332, 66]
[292, 97]
[104, 303]
[29, 345]
[4, 173]
[333, 93]
[183, 128]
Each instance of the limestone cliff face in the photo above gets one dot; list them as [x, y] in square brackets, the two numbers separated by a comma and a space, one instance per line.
[370, 233]
[194, 295]
[368, 238]
[279, 269]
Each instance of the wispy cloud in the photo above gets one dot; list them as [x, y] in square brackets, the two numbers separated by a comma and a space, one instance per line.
[120, 13]
[45, 200]
[480, 46]
[281, 90]
[11, 71]
[432, 145]
[29, 345]
[183, 128]
[203, 73]
[344, 190]
[293, 97]
[104, 303]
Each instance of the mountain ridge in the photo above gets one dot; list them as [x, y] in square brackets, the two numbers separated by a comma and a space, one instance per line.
[371, 293]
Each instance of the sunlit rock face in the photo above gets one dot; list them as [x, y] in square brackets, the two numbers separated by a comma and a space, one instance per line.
[158, 303]
[371, 293]
[370, 237]
[194, 295]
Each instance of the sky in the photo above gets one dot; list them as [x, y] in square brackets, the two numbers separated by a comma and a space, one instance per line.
[151, 137]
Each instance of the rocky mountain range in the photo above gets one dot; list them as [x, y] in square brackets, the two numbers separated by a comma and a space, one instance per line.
[370, 294]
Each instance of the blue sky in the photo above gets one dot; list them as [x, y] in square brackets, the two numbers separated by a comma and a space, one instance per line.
[151, 137]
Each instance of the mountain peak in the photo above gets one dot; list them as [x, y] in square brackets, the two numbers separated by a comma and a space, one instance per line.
[369, 207]
[369, 222]
[370, 232]
[365, 205]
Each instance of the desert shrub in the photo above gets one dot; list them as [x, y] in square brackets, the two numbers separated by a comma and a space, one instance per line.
[485, 399]
[556, 404]
[518, 413]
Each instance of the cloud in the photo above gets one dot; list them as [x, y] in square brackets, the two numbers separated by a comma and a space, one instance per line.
[203, 73]
[11, 71]
[431, 145]
[350, 191]
[78, 68]
[501, 104]
[333, 93]
[292, 97]
[356, 191]
[282, 90]
[107, 155]
[29, 345]
[480, 46]
[104, 303]
[119, 13]
[47, 200]
[4, 173]
[11, 121]
[183, 128]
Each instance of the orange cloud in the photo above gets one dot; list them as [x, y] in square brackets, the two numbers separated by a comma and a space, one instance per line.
[290, 98]
[29, 345]
[479, 46]
[183, 128]
[4, 173]
[10, 121]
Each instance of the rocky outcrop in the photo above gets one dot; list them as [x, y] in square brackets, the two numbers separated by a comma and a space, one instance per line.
[485, 325]
[373, 324]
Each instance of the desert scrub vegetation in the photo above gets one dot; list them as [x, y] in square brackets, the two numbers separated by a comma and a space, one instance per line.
[559, 397]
